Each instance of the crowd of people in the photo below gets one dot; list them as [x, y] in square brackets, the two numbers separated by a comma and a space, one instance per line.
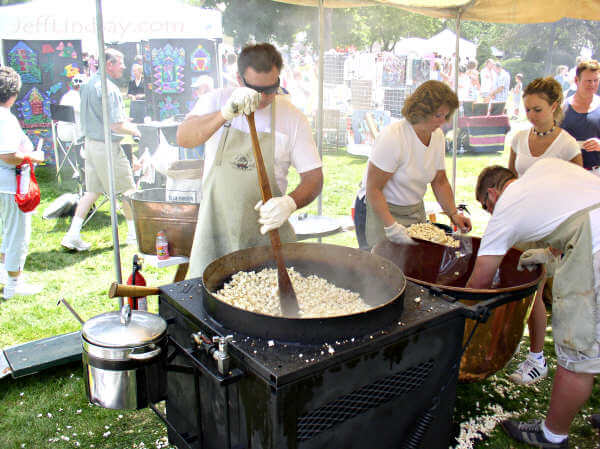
[546, 200]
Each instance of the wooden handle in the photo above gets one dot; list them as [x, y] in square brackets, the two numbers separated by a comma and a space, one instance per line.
[263, 182]
[287, 296]
[134, 291]
[263, 178]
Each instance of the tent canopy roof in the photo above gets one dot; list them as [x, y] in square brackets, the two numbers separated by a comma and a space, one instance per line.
[124, 21]
[502, 11]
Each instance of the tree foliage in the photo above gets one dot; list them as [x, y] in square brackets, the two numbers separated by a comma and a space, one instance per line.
[267, 20]
[363, 27]
[264, 20]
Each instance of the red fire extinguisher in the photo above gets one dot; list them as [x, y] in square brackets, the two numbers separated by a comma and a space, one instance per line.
[136, 278]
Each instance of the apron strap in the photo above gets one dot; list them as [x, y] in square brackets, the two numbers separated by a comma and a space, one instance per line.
[273, 126]
[219, 156]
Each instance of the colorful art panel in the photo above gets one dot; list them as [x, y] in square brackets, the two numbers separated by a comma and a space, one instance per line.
[34, 109]
[46, 68]
[363, 120]
[394, 70]
[420, 71]
[25, 62]
[66, 51]
[168, 108]
[200, 60]
[168, 65]
[174, 64]
[35, 134]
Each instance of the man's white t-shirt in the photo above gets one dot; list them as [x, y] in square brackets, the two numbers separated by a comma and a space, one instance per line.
[70, 132]
[399, 150]
[294, 144]
[533, 206]
[564, 147]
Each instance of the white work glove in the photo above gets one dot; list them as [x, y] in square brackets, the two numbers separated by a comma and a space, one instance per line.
[243, 100]
[397, 233]
[532, 257]
[275, 212]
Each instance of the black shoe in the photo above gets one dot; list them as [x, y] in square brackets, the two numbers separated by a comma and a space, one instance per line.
[531, 432]
[595, 421]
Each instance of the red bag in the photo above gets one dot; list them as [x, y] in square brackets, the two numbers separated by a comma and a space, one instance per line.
[29, 200]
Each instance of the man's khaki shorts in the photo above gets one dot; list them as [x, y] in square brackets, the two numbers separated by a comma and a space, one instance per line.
[96, 168]
[584, 361]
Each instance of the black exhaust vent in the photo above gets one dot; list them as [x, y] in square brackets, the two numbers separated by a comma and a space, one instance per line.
[362, 400]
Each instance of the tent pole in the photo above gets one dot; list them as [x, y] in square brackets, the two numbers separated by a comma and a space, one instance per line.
[455, 116]
[320, 104]
[108, 144]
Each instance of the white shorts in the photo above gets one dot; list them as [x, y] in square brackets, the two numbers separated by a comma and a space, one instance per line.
[584, 361]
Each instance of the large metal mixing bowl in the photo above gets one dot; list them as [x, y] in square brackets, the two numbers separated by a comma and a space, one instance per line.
[380, 283]
[152, 213]
[447, 271]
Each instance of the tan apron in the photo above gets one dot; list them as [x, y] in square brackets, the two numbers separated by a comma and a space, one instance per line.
[405, 215]
[574, 300]
[227, 221]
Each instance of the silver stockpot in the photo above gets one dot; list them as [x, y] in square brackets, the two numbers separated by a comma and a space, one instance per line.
[124, 356]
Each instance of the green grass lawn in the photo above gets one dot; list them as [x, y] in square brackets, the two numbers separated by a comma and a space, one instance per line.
[49, 410]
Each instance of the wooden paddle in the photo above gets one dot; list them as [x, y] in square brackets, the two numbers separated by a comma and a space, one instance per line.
[287, 296]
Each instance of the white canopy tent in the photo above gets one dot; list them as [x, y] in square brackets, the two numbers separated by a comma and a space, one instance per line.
[444, 43]
[412, 45]
[500, 11]
[95, 22]
[124, 21]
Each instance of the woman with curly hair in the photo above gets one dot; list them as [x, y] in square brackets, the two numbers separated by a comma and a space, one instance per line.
[407, 156]
[15, 147]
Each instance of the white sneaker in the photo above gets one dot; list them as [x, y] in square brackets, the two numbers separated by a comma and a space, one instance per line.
[22, 288]
[75, 243]
[529, 372]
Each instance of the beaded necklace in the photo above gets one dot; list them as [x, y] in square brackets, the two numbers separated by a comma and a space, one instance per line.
[544, 133]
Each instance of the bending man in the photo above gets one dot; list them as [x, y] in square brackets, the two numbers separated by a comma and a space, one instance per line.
[555, 204]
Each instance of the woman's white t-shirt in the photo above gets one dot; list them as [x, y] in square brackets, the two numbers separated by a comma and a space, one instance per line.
[563, 147]
[399, 150]
[294, 144]
[12, 139]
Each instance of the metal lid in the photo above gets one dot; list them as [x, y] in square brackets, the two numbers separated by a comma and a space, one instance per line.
[123, 329]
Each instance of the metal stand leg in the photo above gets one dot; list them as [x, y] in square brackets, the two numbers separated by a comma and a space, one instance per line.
[181, 272]
[94, 210]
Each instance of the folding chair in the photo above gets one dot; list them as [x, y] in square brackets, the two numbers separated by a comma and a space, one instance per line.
[480, 109]
[497, 108]
[66, 151]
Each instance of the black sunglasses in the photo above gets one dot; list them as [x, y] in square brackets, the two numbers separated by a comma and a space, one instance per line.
[263, 89]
